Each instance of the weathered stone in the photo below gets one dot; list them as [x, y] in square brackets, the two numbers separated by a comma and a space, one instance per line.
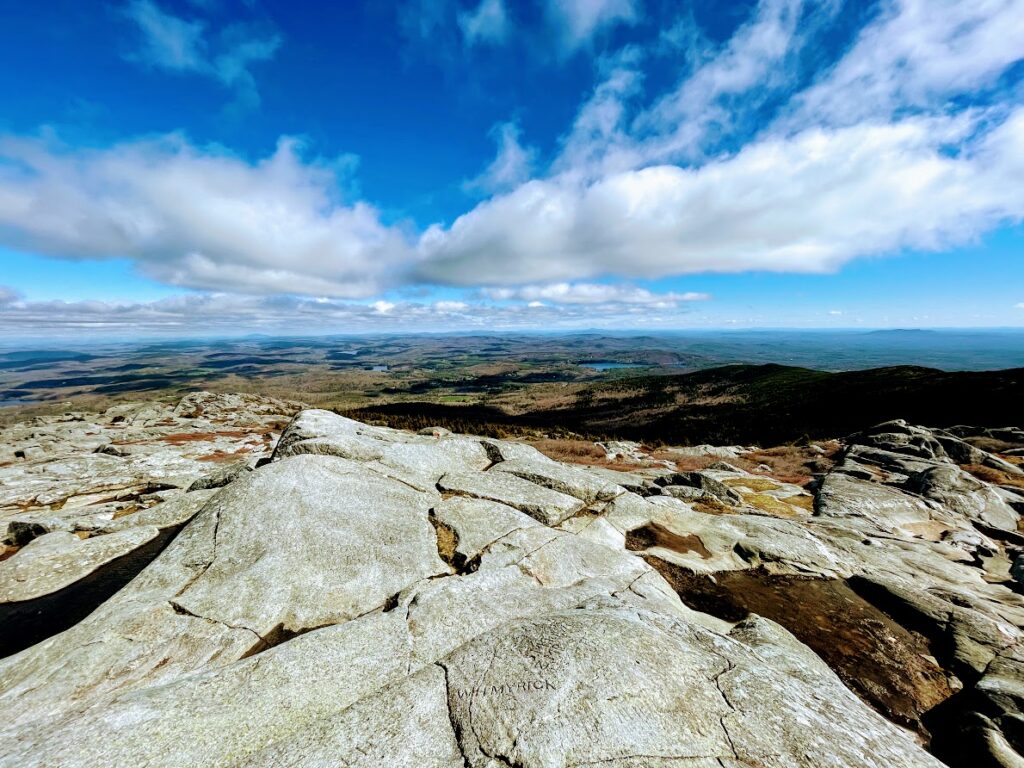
[543, 504]
[55, 560]
[172, 513]
[357, 537]
[561, 478]
[220, 477]
[375, 597]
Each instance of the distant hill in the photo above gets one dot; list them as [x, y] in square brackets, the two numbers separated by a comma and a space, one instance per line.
[764, 404]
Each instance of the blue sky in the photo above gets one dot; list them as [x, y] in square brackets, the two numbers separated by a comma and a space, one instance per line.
[182, 167]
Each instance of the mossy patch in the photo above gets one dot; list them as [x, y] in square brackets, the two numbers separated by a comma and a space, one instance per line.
[757, 484]
[769, 504]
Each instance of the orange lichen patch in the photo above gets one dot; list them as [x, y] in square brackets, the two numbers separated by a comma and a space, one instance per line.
[753, 483]
[1018, 460]
[183, 438]
[994, 476]
[6, 552]
[218, 456]
[82, 534]
[180, 438]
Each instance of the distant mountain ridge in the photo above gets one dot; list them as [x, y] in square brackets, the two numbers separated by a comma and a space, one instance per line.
[765, 404]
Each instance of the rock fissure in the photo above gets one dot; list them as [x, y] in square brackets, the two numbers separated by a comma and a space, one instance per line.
[452, 720]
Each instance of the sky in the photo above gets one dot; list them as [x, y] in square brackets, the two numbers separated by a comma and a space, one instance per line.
[223, 167]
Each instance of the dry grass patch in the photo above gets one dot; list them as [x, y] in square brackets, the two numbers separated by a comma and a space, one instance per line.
[994, 476]
[802, 500]
[687, 463]
[991, 444]
[709, 505]
[794, 464]
[581, 452]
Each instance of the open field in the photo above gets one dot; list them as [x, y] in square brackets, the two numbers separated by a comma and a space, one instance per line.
[671, 388]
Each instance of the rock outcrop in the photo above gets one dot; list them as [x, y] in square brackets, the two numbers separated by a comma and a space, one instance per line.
[372, 597]
[87, 500]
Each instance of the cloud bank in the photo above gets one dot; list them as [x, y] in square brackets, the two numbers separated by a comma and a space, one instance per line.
[913, 138]
[214, 314]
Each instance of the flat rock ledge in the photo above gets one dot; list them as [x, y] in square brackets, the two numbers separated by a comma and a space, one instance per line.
[371, 597]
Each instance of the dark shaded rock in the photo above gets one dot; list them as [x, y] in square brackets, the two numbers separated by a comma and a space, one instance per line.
[699, 480]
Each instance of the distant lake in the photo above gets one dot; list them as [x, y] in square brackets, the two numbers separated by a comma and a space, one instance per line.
[611, 366]
[379, 368]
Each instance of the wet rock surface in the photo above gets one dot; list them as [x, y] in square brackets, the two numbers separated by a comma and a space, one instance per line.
[375, 597]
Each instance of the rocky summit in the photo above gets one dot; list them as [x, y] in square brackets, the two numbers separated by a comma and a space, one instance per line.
[233, 581]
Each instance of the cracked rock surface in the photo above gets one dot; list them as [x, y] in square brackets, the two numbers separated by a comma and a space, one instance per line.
[372, 597]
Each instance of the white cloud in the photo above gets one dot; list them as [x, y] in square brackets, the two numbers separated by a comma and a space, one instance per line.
[599, 141]
[227, 314]
[589, 293]
[918, 53]
[511, 166]
[579, 20]
[749, 65]
[8, 296]
[450, 306]
[488, 23]
[871, 159]
[1019, 306]
[199, 218]
[808, 203]
[167, 41]
[180, 45]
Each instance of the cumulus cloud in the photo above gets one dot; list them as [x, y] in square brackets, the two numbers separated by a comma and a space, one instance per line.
[808, 203]
[866, 160]
[579, 20]
[487, 23]
[200, 218]
[590, 293]
[174, 44]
